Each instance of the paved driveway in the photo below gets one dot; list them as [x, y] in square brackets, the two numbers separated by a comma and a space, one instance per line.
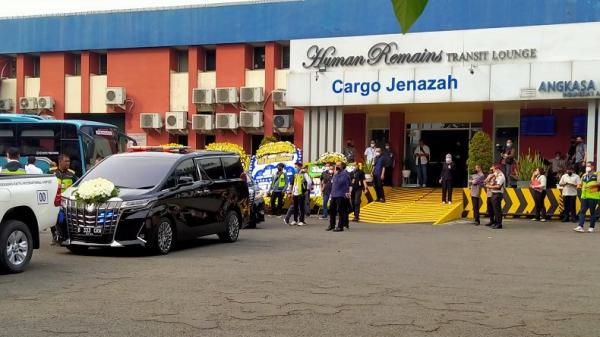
[530, 279]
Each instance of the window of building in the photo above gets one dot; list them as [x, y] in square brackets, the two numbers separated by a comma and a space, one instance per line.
[259, 58]
[285, 57]
[102, 64]
[182, 61]
[10, 68]
[35, 65]
[76, 65]
[210, 60]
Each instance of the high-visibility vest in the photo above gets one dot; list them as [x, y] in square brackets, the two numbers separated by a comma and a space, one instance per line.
[588, 181]
[300, 182]
[65, 179]
[16, 172]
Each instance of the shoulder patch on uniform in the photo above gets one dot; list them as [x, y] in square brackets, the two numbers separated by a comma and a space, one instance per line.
[71, 171]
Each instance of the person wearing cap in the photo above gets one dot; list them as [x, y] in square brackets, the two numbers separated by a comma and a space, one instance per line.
[590, 195]
[301, 183]
[279, 185]
[497, 186]
[446, 179]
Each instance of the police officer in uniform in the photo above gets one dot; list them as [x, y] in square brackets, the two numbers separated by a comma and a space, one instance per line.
[66, 178]
[13, 166]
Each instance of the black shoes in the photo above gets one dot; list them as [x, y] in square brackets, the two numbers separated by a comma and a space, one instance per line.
[491, 224]
[476, 223]
[329, 228]
[355, 220]
[497, 227]
[338, 229]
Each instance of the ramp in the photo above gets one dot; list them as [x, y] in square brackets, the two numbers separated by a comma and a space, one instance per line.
[413, 205]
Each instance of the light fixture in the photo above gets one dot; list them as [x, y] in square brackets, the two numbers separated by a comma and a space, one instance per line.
[322, 69]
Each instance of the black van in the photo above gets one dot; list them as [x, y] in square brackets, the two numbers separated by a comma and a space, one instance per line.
[163, 198]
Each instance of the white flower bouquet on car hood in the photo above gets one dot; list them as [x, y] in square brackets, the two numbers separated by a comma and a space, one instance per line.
[95, 191]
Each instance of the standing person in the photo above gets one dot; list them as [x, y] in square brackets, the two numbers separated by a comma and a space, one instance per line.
[569, 182]
[379, 175]
[559, 165]
[300, 184]
[571, 151]
[580, 157]
[30, 168]
[279, 185]
[508, 159]
[446, 179]
[13, 166]
[422, 154]
[326, 177]
[489, 179]
[389, 162]
[359, 185]
[350, 151]
[340, 193]
[538, 186]
[66, 176]
[589, 197]
[370, 153]
[476, 182]
[497, 186]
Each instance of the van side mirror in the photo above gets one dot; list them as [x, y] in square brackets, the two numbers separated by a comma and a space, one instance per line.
[182, 181]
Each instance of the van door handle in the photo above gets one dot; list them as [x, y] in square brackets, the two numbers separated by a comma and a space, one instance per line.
[205, 191]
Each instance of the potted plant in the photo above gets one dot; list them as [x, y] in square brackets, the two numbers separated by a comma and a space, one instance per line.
[368, 171]
[406, 169]
[525, 166]
[480, 152]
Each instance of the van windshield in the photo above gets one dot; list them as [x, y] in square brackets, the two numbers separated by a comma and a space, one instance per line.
[131, 172]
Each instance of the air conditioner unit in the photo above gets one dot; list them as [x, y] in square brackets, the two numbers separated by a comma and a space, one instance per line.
[115, 96]
[150, 121]
[202, 122]
[282, 121]
[279, 97]
[6, 104]
[227, 95]
[226, 121]
[251, 94]
[45, 103]
[251, 119]
[203, 96]
[28, 103]
[176, 122]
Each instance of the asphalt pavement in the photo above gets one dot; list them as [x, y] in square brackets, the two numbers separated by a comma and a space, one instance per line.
[529, 279]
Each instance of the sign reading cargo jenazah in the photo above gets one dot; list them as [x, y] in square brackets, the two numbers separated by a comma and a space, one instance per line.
[453, 66]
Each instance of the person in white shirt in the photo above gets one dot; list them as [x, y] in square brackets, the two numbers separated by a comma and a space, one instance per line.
[370, 153]
[30, 168]
[569, 182]
[422, 155]
[496, 186]
[538, 185]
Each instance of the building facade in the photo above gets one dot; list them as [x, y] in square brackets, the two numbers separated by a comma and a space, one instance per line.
[317, 72]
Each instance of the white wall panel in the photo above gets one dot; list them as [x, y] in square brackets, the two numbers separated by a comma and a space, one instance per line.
[178, 100]
[321, 93]
[507, 80]
[587, 70]
[390, 97]
[72, 94]
[255, 78]
[207, 79]
[8, 90]
[472, 87]
[549, 71]
[32, 86]
[298, 89]
[97, 93]
[364, 95]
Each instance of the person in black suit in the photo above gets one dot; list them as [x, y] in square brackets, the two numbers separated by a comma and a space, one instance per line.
[446, 178]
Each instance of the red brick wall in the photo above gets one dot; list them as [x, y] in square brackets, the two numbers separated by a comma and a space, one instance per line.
[354, 128]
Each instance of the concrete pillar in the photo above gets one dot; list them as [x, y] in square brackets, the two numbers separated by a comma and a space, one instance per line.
[591, 130]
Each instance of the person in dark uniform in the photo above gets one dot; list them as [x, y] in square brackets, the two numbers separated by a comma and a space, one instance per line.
[359, 185]
[446, 179]
[279, 186]
[340, 193]
[389, 163]
[13, 166]
[379, 174]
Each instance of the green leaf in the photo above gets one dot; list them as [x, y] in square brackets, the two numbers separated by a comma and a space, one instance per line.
[408, 11]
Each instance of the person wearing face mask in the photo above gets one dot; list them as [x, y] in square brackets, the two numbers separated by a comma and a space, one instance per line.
[379, 173]
[568, 184]
[538, 187]
[389, 162]
[558, 165]
[326, 187]
[279, 185]
[340, 194]
[446, 178]
[370, 153]
[590, 181]
[476, 182]
[350, 151]
[359, 186]
[300, 184]
[580, 157]
[496, 188]
[508, 159]
[489, 179]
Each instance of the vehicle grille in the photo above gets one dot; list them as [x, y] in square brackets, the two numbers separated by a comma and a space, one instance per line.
[97, 225]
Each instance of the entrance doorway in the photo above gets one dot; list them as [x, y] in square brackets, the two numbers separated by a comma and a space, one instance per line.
[442, 142]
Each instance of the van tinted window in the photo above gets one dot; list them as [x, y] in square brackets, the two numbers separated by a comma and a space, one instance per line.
[186, 169]
[233, 167]
[212, 168]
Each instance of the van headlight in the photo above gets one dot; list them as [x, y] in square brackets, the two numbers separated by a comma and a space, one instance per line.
[140, 203]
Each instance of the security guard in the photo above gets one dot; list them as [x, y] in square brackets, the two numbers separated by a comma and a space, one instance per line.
[278, 187]
[66, 176]
[589, 197]
[13, 166]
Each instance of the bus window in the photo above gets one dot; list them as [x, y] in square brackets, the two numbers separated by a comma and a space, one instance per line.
[7, 138]
[71, 149]
[40, 140]
[99, 144]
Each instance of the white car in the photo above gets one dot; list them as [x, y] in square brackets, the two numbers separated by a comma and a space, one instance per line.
[28, 205]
